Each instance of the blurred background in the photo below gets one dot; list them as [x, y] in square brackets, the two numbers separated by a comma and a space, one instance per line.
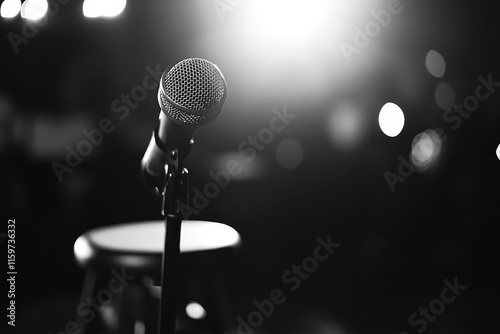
[377, 155]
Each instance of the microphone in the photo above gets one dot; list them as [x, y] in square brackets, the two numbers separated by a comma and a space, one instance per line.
[191, 94]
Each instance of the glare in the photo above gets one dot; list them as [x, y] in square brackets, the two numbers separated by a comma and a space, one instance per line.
[103, 8]
[391, 119]
[498, 152]
[195, 311]
[34, 9]
[346, 125]
[435, 64]
[10, 8]
[444, 95]
[425, 149]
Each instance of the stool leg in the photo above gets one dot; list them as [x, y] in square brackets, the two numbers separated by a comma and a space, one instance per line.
[220, 302]
[133, 316]
[216, 302]
[87, 291]
[151, 295]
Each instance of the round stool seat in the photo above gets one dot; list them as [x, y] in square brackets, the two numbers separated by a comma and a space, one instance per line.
[139, 245]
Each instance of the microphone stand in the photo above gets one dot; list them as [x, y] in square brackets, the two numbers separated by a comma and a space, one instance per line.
[174, 194]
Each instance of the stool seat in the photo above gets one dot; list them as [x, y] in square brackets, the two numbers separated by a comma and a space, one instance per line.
[136, 250]
[139, 245]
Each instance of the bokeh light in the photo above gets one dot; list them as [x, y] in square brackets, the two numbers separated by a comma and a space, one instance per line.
[34, 9]
[435, 63]
[248, 170]
[289, 154]
[425, 149]
[139, 327]
[391, 119]
[103, 8]
[444, 96]
[346, 125]
[10, 8]
[498, 152]
[91, 8]
[112, 8]
[195, 311]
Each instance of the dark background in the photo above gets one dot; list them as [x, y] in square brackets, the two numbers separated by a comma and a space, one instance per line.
[397, 247]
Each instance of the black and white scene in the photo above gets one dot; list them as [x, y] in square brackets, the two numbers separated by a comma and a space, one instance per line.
[249, 166]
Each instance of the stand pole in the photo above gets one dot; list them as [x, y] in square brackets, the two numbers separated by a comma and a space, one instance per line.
[169, 274]
[174, 195]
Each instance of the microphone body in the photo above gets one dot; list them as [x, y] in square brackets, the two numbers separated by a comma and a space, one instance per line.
[191, 93]
[168, 137]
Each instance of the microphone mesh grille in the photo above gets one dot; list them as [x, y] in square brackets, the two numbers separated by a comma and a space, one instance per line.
[194, 84]
[184, 117]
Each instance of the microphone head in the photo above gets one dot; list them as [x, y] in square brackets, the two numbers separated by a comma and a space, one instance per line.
[192, 92]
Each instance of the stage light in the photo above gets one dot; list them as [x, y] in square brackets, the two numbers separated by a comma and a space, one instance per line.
[195, 311]
[425, 149]
[288, 48]
[391, 119]
[498, 152]
[444, 96]
[10, 8]
[286, 20]
[435, 63]
[34, 9]
[103, 8]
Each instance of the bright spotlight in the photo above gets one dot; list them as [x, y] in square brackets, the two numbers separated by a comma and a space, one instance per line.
[498, 152]
[293, 45]
[425, 149]
[391, 119]
[10, 8]
[103, 8]
[34, 9]
[286, 20]
[195, 311]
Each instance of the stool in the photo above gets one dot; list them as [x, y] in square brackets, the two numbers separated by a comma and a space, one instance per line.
[121, 290]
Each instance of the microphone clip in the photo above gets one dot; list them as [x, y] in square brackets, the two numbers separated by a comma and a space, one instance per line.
[175, 193]
[160, 157]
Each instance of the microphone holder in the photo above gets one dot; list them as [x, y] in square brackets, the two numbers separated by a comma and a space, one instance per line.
[175, 198]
